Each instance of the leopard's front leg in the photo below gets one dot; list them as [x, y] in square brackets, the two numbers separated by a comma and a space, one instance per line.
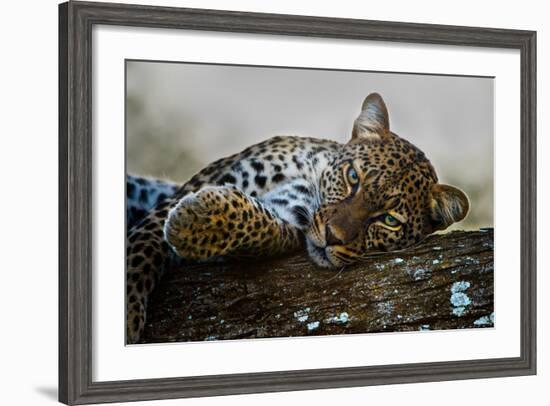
[223, 221]
[214, 222]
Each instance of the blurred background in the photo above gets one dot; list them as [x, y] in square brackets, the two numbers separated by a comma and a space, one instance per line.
[182, 116]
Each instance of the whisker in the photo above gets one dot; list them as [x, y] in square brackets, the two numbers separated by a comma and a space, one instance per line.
[337, 275]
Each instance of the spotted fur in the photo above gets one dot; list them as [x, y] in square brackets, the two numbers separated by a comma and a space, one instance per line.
[142, 194]
[341, 202]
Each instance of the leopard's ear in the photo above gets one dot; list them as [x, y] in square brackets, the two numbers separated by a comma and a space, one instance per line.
[373, 124]
[448, 205]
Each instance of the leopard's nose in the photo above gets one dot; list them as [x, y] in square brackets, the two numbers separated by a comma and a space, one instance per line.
[332, 236]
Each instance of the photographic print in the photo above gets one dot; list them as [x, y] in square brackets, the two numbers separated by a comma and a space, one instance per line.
[295, 202]
[269, 202]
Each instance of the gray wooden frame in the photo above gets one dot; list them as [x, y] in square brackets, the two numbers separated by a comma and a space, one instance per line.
[76, 20]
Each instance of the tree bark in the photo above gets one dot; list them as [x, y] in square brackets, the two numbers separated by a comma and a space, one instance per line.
[446, 282]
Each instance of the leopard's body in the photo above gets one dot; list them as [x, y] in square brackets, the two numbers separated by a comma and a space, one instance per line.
[341, 202]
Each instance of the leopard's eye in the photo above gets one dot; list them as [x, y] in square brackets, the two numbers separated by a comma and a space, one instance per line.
[352, 176]
[391, 221]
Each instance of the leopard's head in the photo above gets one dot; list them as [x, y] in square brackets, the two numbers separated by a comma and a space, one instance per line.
[379, 194]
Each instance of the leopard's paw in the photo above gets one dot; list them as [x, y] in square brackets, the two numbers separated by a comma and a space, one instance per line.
[209, 223]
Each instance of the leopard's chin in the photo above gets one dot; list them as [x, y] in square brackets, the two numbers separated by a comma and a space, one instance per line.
[318, 256]
[322, 256]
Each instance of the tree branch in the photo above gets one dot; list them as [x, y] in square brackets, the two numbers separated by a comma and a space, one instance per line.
[446, 282]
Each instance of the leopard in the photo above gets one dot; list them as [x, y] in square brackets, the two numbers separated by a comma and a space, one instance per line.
[339, 203]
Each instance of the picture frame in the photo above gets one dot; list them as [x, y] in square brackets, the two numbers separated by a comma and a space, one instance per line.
[76, 352]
